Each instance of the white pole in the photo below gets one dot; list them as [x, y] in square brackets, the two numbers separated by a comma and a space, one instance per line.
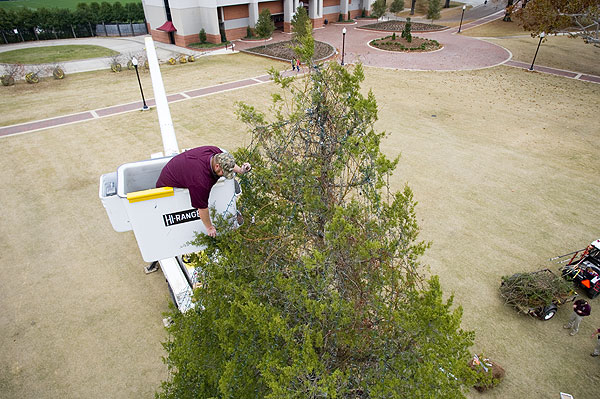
[162, 106]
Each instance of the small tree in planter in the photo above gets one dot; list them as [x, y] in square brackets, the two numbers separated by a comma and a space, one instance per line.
[11, 73]
[249, 34]
[264, 26]
[298, 22]
[202, 36]
[433, 9]
[397, 6]
[406, 31]
[378, 8]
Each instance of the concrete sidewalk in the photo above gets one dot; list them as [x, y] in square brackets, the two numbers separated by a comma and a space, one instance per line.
[127, 46]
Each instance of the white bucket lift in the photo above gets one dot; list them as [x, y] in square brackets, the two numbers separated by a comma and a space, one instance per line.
[162, 219]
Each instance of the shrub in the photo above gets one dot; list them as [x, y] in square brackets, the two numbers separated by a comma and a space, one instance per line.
[249, 34]
[378, 8]
[397, 6]
[433, 9]
[299, 27]
[202, 36]
[264, 26]
[406, 31]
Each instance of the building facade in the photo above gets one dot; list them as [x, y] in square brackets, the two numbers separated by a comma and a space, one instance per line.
[180, 21]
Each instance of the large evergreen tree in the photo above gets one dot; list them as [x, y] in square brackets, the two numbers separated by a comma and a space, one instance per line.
[319, 293]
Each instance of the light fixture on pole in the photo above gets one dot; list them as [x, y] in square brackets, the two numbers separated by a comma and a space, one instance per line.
[536, 51]
[343, 44]
[134, 61]
[461, 17]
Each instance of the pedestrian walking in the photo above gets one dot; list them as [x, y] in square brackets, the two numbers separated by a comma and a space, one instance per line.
[298, 65]
[581, 309]
[293, 64]
[596, 351]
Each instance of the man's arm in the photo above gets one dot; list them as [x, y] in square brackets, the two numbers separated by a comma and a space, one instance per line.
[205, 217]
[245, 168]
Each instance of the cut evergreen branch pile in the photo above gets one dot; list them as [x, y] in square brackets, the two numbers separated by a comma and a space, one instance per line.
[534, 289]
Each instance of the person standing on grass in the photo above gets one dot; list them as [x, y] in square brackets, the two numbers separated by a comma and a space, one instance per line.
[596, 351]
[581, 309]
[198, 170]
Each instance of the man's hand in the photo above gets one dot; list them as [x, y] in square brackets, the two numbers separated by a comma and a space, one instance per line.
[211, 231]
[246, 167]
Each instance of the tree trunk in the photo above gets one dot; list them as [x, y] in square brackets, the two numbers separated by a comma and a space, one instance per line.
[131, 26]
[4, 37]
[447, 4]
[104, 25]
[412, 7]
[119, 29]
[35, 34]
[73, 30]
[55, 34]
[91, 31]
[508, 11]
[20, 34]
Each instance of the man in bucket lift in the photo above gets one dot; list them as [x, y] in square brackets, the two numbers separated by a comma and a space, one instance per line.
[198, 170]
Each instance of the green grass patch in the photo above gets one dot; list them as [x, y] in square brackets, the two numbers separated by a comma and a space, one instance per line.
[49, 54]
[208, 45]
[71, 4]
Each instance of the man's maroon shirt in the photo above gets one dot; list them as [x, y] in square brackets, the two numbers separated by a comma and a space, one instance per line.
[191, 169]
[582, 308]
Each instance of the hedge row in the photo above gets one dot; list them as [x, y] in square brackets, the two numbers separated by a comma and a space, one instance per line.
[53, 23]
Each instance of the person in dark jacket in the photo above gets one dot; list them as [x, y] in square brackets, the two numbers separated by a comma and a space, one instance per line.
[581, 309]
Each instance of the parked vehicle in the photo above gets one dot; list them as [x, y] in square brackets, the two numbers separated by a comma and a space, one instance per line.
[583, 269]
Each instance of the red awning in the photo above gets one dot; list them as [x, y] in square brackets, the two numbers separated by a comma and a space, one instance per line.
[167, 27]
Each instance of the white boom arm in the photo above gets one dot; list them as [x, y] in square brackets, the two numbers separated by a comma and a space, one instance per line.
[160, 97]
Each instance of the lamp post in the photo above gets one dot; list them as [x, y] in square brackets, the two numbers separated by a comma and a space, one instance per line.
[343, 44]
[461, 18]
[536, 51]
[134, 61]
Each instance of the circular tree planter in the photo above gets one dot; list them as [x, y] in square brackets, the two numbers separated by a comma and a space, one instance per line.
[400, 44]
[191, 58]
[58, 73]
[182, 59]
[115, 67]
[7, 80]
[32, 77]
[284, 51]
[172, 61]
[398, 26]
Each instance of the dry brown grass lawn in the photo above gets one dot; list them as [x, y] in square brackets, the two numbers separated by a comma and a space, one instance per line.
[496, 28]
[92, 90]
[561, 52]
[503, 164]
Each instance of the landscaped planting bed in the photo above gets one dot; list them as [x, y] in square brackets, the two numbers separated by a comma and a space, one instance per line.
[284, 50]
[398, 26]
[418, 44]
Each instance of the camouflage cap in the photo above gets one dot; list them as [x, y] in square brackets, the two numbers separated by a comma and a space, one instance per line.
[227, 163]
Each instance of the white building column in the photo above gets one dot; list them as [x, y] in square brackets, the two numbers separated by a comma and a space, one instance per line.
[344, 8]
[315, 9]
[253, 13]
